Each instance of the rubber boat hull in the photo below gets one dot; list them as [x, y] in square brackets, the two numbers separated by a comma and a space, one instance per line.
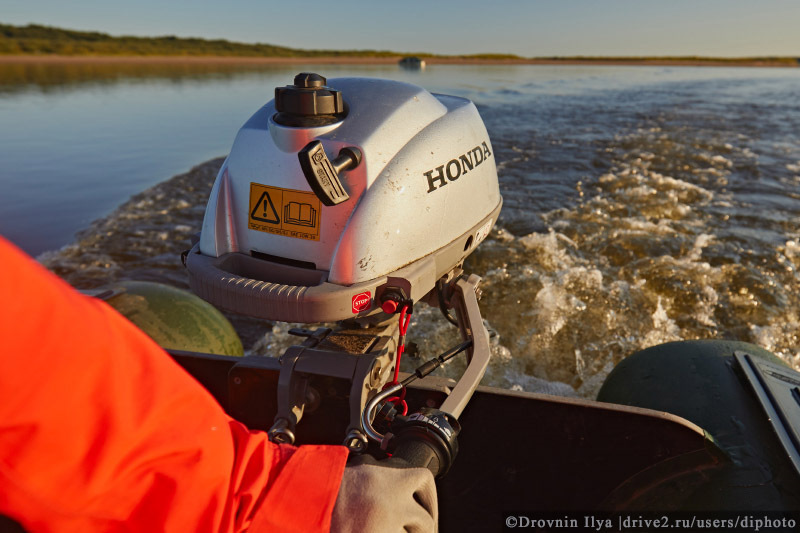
[534, 453]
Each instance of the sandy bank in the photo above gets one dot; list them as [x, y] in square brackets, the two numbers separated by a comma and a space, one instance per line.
[342, 60]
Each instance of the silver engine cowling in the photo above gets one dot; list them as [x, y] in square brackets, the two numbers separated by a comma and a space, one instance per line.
[294, 233]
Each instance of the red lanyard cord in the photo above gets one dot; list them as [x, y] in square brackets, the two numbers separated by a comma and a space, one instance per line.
[399, 401]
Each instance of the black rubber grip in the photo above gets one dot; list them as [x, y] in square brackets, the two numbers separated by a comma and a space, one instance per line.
[421, 451]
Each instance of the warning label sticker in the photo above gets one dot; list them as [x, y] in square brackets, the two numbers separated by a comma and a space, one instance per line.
[284, 212]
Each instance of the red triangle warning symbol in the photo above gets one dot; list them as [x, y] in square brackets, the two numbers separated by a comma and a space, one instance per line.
[264, 211]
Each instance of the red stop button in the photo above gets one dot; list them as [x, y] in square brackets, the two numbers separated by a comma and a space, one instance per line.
[389, 307]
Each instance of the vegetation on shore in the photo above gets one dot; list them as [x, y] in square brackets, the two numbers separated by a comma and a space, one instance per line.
[35, 39]
[789, 61]
[44, 40]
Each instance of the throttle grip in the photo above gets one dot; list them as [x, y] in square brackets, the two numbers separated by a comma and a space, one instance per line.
[427, 439]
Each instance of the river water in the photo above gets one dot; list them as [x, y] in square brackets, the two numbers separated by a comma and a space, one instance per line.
[642, 204]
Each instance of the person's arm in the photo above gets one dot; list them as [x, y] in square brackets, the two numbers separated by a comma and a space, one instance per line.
[101, 431]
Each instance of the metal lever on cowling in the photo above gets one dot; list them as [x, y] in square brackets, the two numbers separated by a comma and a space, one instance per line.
[428, 438]
[322, 174]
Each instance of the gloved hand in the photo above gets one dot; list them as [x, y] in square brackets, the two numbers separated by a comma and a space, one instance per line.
[385, 496]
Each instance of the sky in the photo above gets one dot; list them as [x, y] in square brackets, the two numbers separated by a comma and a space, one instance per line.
[529, 28]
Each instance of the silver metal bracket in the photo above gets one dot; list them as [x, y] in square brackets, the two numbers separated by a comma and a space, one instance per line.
[364, 357]
[470, 323]
[465, 302]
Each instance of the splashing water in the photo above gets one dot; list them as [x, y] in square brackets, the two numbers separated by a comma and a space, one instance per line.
[632, 217]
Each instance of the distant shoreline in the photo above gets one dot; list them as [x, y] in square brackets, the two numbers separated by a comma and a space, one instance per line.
[344, 60]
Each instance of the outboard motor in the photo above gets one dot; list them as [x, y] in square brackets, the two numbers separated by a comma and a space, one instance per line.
[334, 192]
[354, 199]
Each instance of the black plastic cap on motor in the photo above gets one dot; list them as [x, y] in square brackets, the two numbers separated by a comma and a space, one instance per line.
[309, 102]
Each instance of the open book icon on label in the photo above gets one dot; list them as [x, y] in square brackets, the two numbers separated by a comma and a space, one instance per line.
[300, 214]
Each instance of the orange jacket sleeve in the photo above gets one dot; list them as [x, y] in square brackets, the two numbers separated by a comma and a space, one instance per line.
[101, 431]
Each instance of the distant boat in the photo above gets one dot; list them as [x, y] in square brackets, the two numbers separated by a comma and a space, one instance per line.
[412, 62]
